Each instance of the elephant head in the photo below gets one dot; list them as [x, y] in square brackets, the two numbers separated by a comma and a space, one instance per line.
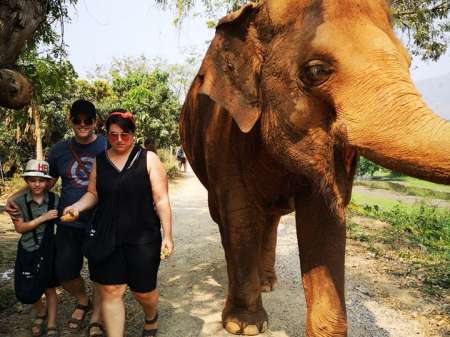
[325, 80]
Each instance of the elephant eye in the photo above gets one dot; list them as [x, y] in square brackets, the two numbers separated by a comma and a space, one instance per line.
[315, 73]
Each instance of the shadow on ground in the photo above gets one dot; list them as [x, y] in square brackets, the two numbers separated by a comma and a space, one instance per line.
[193, 285]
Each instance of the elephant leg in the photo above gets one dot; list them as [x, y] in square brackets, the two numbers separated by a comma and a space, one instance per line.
[241, 232]
[268, 251]
[321, 239]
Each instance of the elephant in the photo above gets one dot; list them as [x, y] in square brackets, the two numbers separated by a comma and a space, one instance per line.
[288, 96]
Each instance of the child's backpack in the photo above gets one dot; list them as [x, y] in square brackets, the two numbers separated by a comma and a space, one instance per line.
[34, 270]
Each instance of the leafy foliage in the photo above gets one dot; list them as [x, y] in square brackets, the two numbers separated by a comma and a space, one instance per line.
[424, 22]
[47, 37]
[133, 84]
[367, 168]
[149, 89]
[419, 235]
[54, 82]
[150, 98]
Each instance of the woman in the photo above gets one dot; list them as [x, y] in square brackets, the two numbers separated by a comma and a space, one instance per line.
[130, 186]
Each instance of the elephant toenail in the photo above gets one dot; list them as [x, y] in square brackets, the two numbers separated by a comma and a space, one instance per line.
[233, 327]
[251, 330]
[264, 327]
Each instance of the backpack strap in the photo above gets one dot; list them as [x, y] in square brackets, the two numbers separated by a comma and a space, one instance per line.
[77, 158]
[51, 200]
[30, 216]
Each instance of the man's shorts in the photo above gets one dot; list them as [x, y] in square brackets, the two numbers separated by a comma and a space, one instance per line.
[69, 256]
[134, 265]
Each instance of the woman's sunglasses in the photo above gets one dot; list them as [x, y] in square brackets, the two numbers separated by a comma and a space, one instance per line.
[114, 136]
[87, 121]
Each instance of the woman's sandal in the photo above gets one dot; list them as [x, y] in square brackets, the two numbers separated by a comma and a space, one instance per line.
[151, 332]
[52, 332]
[76, 323]
[95, 325]
[38, 325]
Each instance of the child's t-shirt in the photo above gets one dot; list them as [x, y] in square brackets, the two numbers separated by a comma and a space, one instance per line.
[27, 239]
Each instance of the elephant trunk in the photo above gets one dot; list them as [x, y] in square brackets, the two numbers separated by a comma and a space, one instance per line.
[398, 131]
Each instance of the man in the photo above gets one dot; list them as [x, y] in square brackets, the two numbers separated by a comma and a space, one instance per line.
[72, 160]
[181, 157]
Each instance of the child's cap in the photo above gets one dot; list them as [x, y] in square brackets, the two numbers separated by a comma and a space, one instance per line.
[36, 168]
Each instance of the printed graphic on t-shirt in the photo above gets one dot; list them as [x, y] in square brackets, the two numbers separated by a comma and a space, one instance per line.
[75, 172]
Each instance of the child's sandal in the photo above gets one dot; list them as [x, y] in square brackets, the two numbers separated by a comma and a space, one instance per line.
[52, 332]
[38, 325]
[76, 324]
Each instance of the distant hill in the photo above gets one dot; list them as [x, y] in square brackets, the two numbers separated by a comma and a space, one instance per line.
[436, 92]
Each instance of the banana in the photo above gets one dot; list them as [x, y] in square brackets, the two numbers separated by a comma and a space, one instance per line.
[68, 217]
[164, 253]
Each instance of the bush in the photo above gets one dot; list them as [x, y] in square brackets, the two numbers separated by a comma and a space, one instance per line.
[421, 235]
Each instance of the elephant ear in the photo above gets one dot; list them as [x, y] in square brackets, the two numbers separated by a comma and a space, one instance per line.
[231, 68]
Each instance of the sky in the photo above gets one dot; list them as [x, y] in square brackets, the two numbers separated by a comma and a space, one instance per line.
[105, 29]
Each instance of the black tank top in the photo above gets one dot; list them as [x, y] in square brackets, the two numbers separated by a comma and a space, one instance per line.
[125, 199]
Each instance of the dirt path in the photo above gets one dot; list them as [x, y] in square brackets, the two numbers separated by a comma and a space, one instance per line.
[193, 284]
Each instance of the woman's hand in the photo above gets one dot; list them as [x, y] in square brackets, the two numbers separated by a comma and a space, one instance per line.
[166, 248]
[70, 214]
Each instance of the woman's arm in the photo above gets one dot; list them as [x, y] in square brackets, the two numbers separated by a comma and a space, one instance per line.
[160, 193]
[88, 200]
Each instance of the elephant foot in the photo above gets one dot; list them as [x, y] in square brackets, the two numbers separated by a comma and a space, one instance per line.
[268, 284]
[245, 323]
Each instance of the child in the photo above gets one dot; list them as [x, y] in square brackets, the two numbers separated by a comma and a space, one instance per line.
[37, 197]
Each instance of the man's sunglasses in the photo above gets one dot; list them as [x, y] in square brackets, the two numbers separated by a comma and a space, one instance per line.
[114, 136]
[87, 121]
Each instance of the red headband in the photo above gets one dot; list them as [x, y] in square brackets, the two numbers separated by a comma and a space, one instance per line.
[124, 115]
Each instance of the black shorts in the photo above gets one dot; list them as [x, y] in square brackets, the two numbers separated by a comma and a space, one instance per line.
[134, 265]
[69, 256]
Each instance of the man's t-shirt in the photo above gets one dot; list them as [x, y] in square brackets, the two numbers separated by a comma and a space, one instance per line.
[74, 179]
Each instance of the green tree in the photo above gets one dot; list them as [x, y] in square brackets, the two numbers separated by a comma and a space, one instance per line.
[31, 131]
[155, 105]
[25, 27]
[150, 89]
[367, 168]
[424, 22]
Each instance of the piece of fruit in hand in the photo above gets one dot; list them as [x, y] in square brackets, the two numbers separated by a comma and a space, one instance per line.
[164, 253]
[68, 217]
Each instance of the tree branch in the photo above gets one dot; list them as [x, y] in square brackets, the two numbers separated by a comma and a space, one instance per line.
[445, 5]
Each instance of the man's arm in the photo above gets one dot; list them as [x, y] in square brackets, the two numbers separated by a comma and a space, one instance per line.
[11, 207]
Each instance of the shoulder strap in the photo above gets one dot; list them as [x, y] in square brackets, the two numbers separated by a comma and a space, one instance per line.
[77, 158]
[51, 200]
[134, 155]
[30, 217]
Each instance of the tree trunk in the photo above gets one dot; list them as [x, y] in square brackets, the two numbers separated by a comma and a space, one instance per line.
[15, 89]
[37, 131]
[19, 19]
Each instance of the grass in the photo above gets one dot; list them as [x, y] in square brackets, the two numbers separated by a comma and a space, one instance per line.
[410, 181]
[373, 201]
[416, 188]
[419, 235]
[406, 185]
